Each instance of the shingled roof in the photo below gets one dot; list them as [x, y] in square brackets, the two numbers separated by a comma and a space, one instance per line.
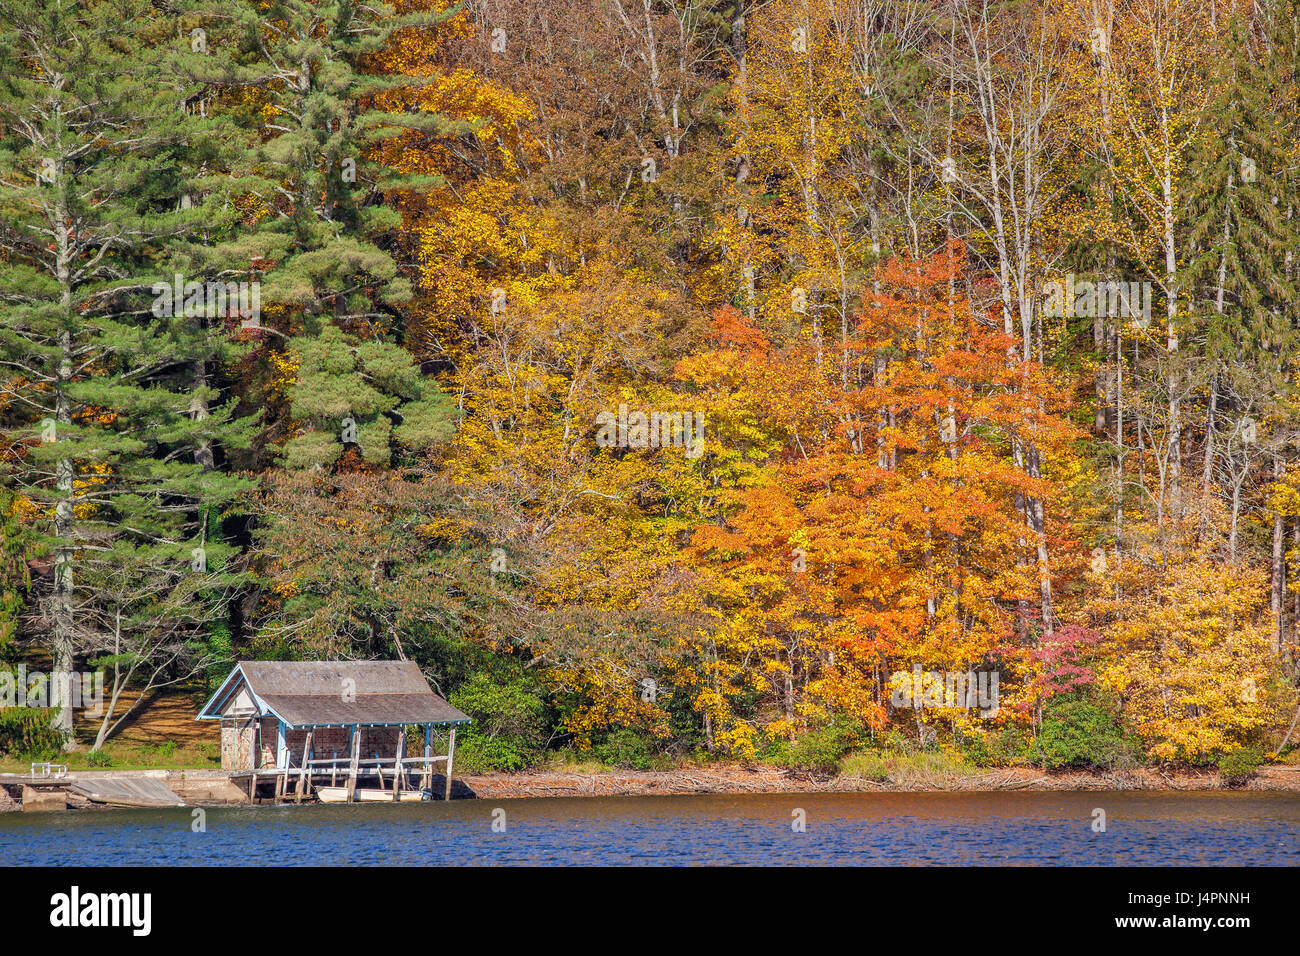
[335, 693]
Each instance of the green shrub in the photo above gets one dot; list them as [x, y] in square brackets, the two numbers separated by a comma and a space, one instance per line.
[1238, 765]
[482, 754]
[509, 727]
[625, 748]
[26, 732]
[775, 751]
[97, 758]
[1077, 732]
[821, 750]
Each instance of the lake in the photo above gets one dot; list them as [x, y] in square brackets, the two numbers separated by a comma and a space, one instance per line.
[898, 829]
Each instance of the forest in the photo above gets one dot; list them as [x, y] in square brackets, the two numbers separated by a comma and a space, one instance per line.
[767, 381]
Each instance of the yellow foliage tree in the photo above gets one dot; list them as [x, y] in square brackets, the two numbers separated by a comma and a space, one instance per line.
[1187, 645]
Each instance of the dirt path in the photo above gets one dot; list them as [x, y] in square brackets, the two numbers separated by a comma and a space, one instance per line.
[161, 717]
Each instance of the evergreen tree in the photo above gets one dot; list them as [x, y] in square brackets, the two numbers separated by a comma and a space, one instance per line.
[1243, 213]
[112, 422]
[321, 229]
[1243, 233]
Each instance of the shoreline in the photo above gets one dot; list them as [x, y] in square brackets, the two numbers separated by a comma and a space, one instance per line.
[213, 788]
[742, 780]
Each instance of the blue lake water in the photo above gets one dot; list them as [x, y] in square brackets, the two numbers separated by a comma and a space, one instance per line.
[904, 829]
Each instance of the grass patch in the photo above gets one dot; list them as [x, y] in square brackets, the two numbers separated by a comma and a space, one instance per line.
[117, 755]
[938, 770]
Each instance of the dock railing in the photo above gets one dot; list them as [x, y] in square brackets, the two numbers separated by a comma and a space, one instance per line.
[333, 766]
[392, 772]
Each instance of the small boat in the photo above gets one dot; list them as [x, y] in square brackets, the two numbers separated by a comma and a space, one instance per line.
[369, 795]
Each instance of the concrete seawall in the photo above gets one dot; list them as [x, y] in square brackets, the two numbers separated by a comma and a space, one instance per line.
[106, 788]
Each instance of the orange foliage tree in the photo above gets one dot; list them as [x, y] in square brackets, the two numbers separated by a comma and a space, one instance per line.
[888, 531]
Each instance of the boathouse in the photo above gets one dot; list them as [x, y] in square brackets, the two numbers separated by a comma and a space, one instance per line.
[311, 724]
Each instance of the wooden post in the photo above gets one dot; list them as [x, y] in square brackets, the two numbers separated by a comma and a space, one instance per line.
[311, 755]
[451, 750]
[356, 755]
[302, 771]
[397, 761]
[426, 779]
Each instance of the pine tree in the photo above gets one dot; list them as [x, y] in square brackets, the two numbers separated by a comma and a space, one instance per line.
[1244, 236]
[322, 231]
[103, 189]
[1241, 227]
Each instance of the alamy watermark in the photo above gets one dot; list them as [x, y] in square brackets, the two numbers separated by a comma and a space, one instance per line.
[129, 910]
[1069, 298]
[76, 689]
[220, 300]
[639, 430]
[958, 690]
